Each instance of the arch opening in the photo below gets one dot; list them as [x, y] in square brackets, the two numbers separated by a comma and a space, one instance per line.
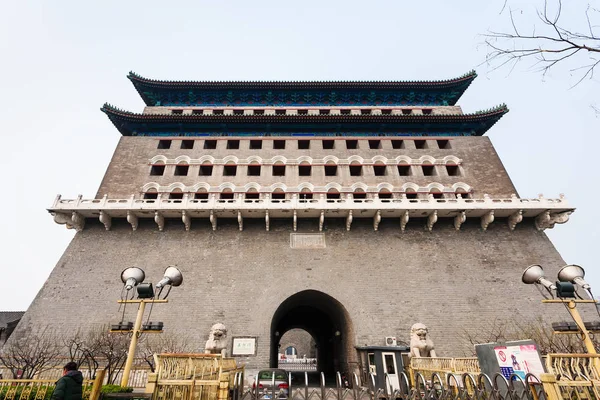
[326, 320]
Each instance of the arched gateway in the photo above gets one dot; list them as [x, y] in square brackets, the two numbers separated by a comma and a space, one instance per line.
[326, 320]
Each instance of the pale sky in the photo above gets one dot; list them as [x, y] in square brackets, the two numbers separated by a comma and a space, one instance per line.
[62, 60]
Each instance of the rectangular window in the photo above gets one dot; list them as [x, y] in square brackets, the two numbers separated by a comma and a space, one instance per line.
[229, 170]
[303, 144]
[256, 144]
[175, 196]
[157, 170]
[278, 170]
[238, 112]
[333, 195]
[438, 195]
[201, 196]
[210, 144]
[324, 112]
[164, 144]
[279, 144]
[279, 112]
[217, 112]
[404, 170]
[411, 195]
[374, 144]
[443, 144]
[452, 170]
[306, 196]
[331, 170]
[386, 111]
[384, 195]
[421, 144]
[328, 144]
[206, 170]
[428, 170]
[427, 111]
[226, 196]
[406, 111]
[253, 170]
[398, 144]
[304, 170]
[233, 144]
[197, 112]
[352, 144]
[253, 196]
[359, 195]
[355, 170]
[278, 196]
[150, 196]
[302, 112]
[345, 112]
[259, 112]
[177, 112]
[379, 170]
[365, 112]
[187, 144]
[182, 170]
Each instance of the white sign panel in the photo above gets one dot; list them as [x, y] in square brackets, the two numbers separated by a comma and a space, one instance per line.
[519, 360]
[244, 346]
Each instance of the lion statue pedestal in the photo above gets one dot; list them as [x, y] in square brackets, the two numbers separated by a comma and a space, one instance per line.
[420, 343]
[217, 340]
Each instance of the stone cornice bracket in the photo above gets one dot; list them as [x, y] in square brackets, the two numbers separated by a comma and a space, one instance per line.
[105, 219]
[404, 220]
[213, 220]
[267, 220]
[321, 220]
[376, 220]
[186, 219]
[349, 220]
[431, 220]
[73, 220]
[160, 220]
[546, 220]
[487, 219]
[132, 219]
[240, 220]
[514, 219]
[295, 220]
[460, 219]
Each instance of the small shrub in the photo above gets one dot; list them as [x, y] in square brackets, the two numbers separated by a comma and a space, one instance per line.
[115, 389]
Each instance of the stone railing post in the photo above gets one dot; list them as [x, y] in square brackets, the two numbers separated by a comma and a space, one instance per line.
[152, 383]
[98, 382]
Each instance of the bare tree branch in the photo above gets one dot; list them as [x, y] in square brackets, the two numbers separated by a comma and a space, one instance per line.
[31, 354]
[546, 48]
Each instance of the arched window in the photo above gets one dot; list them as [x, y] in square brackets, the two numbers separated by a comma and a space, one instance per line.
[176, 194]
[437, 193]
[278, 194]
[201, 194]
[291, 351]
[359, 194]
[226, 194]
[306, 194]
[151, 194]
[384, 194]
[252, 194]
[333, 194]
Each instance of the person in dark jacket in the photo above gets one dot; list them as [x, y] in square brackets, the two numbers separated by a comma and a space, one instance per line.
[69, 386]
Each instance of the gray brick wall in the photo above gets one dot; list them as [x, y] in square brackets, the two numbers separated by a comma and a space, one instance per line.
[450, 280]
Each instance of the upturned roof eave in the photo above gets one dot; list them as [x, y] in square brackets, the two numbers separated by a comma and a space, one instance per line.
[120, 118]
[139, 82]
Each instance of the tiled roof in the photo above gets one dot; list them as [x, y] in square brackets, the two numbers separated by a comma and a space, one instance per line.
[9, 316]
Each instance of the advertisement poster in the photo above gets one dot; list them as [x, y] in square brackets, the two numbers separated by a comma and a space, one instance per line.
[519, 360]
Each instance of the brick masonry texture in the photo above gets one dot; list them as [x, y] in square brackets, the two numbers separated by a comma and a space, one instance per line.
[129, 169]
[449, 280]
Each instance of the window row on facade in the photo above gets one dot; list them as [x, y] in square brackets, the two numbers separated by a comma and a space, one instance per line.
[281, 170]
[332, 194]
[305, 144]
[304, 111]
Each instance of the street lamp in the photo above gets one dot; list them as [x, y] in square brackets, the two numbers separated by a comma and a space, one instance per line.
[133, 277]
[568, 277]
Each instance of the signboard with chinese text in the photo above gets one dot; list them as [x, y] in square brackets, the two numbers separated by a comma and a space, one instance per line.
[243, 346]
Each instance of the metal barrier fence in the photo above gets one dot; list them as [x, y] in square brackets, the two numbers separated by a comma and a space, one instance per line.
[467, 386]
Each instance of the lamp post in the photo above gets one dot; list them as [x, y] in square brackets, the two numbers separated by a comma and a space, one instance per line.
[564, 288]
[133, 277]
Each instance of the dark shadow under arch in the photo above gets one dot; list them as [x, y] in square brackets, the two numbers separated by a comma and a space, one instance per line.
[326, 320]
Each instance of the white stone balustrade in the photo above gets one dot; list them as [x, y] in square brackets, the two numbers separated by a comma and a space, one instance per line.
[547, 212]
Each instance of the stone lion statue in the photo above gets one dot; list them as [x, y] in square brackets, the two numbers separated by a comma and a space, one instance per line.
[217, 340]
[420, 343]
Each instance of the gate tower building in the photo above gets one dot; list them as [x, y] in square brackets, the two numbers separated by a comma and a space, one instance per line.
[351, 210]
